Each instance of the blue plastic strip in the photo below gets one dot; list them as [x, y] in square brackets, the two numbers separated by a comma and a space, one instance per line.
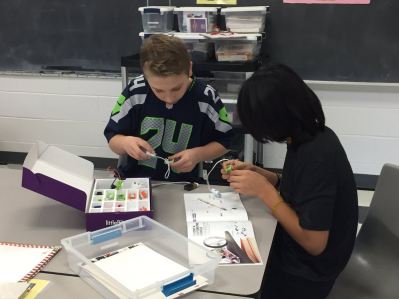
[178, 285]
[106, 236]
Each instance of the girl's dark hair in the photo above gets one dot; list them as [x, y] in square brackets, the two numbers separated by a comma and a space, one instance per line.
[275, 103]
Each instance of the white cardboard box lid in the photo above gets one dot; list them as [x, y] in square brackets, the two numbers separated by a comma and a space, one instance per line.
[61, 165]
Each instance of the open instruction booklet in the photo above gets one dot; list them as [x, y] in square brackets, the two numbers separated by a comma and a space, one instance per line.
[221, 225]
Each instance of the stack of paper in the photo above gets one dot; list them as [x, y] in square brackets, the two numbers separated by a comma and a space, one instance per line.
[20, 262]
[137, 268]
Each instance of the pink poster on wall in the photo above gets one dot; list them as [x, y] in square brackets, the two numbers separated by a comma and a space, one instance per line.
[328, 1]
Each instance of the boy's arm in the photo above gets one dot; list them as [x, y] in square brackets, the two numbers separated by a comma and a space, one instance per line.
[120, 130]
[217, 131]
[210, 151]
[131, 145]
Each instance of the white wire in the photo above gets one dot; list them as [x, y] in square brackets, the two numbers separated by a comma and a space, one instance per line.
[166, 161]
[209, 173]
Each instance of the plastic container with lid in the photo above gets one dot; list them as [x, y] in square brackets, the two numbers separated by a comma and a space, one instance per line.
[196, 19]
[249, 19]
[242, 49]
[157, 18]
[87, 255]
[228, 82]
[198, 47]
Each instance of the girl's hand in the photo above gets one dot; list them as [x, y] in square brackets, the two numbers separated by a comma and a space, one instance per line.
[229, 166]
[251, 183]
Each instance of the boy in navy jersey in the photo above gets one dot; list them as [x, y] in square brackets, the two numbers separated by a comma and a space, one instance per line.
[168, 113]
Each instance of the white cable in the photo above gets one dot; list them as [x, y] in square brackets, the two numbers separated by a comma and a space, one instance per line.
[167, 173]
[214, 191]
[165, 160]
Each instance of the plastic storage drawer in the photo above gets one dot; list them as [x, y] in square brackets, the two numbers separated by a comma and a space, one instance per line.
[227, 82]
[245, 19]
[243, 49]
[200, 48]
[196, 19]
[85, 249]
[157, 18]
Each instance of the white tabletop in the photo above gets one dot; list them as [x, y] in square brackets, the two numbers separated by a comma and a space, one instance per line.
[29, 217]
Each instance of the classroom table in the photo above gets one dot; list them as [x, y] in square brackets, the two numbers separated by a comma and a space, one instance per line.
[29, 217]
[64, 287]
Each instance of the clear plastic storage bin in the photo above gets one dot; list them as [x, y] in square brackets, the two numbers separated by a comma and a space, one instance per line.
[228, 82]
[196, 19]
[85, 253]
[200, 48]
[157, 18]
[245, 19]
[231, 107]
[243, 49]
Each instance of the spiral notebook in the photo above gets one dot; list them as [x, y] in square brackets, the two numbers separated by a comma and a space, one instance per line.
[21, 262]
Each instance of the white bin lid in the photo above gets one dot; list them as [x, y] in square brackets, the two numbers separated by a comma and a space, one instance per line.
[196, 8]
[161, 8]
[183, 35]
[244, 8]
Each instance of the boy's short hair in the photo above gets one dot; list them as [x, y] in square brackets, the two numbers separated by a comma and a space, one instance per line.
[164, 55]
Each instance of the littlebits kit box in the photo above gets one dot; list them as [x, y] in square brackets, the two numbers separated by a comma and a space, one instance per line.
[69, 179]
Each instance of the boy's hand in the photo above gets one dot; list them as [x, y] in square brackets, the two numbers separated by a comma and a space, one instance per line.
[184, 161]
[229, 166]
[249, 183]
[137, 147]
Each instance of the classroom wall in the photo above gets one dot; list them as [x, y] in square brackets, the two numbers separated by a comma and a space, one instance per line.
[365, 117]
[71, 113]
[68, 112]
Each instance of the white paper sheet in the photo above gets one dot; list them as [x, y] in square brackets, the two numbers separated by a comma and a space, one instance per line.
[18, 260]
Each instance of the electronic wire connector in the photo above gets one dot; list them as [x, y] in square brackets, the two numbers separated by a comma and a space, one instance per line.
[216, 193]
[165, 160]
[229, 168]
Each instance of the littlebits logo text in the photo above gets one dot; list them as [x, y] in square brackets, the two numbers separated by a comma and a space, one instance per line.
[112, 222]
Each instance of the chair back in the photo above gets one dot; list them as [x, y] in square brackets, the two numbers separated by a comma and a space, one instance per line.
[384, 208]
[373, 269]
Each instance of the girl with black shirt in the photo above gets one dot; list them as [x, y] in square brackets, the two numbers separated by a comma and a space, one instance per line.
[315, 198]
